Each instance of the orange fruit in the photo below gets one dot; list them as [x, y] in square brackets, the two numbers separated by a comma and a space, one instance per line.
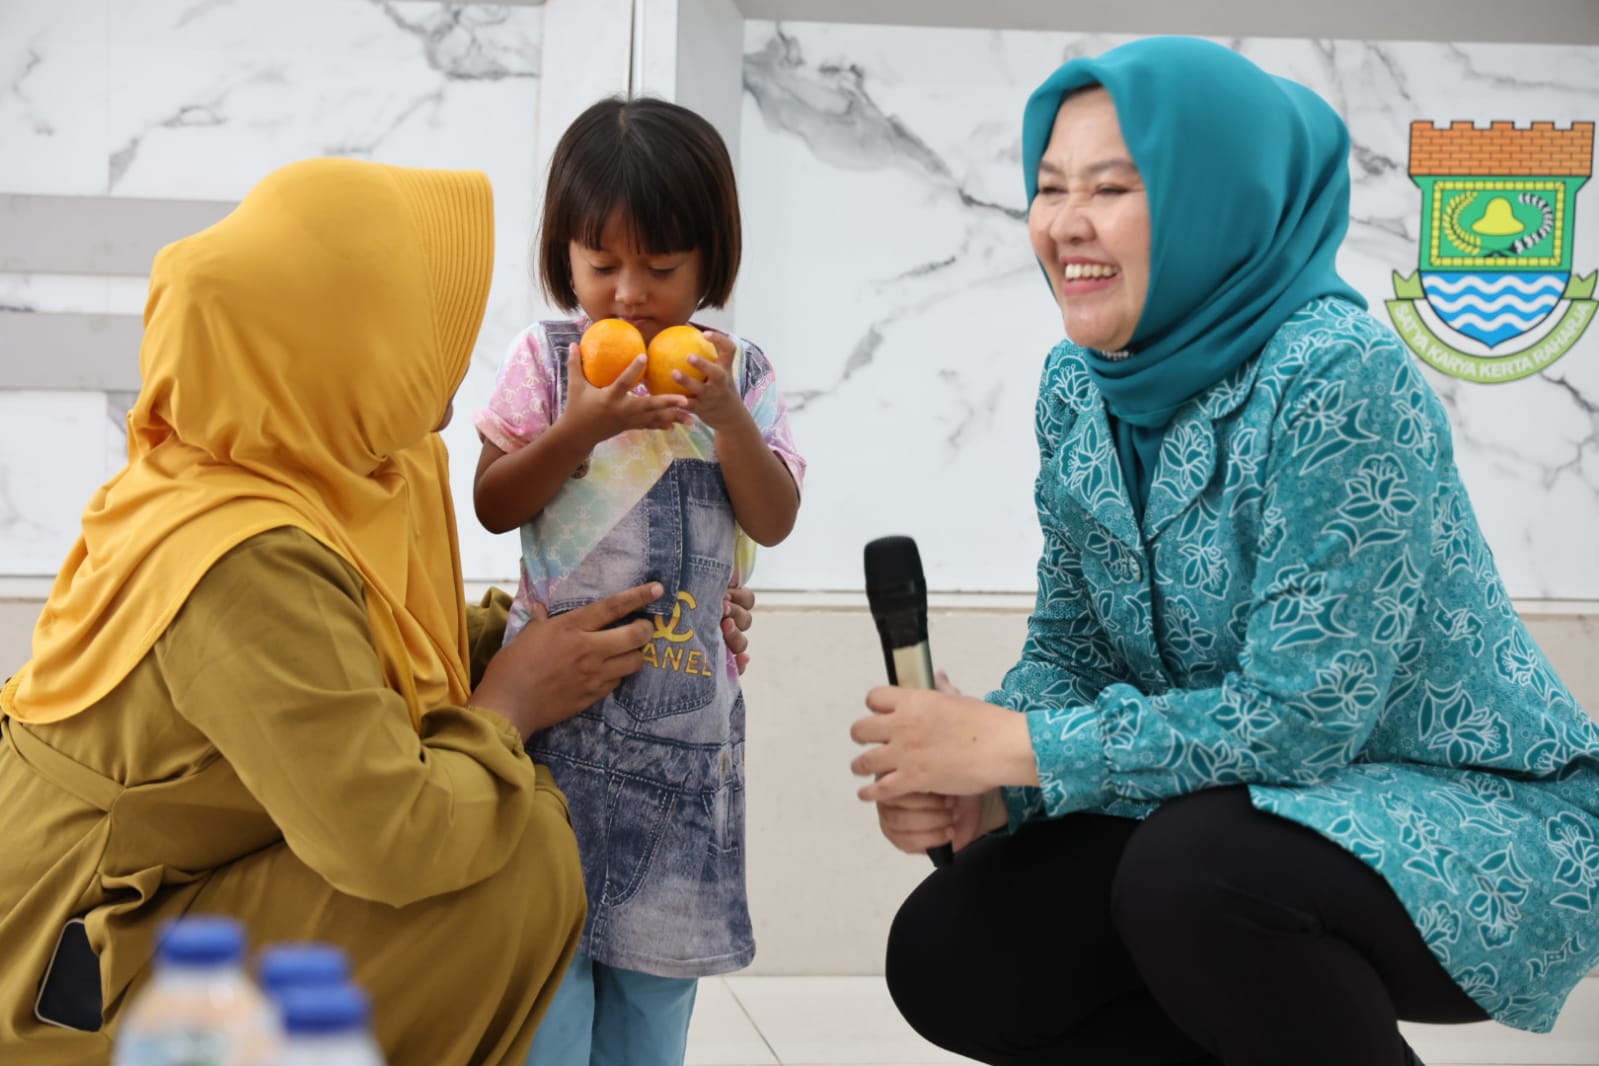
[609, 347]
[669, 351]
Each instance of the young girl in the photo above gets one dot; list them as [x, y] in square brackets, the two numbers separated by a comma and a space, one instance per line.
[613, 487]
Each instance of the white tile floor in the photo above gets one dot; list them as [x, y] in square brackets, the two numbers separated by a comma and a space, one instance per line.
[850, 1021]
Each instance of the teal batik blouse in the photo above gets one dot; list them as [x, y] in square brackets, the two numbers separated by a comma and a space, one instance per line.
[1308, 607]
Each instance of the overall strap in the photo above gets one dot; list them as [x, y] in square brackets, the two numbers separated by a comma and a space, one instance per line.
[560, 334]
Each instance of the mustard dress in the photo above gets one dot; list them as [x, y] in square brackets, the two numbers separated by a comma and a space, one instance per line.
[256, 764]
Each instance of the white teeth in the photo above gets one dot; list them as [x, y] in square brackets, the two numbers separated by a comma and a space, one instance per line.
[1078, 271]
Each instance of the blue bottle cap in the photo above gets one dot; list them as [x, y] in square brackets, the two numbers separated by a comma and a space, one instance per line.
[285, 966]
[201, 941]
[324, 1010]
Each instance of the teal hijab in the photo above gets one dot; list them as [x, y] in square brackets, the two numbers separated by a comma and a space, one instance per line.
[1247, 177]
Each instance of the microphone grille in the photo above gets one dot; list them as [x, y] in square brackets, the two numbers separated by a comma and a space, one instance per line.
[892, 563]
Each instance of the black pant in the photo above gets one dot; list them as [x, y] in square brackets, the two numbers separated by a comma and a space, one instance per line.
[1211, 932]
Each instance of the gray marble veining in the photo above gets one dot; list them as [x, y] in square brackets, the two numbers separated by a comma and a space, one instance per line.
[464, 43]
[198, 99]
[887, 269]
[899, 300]
[830, 106]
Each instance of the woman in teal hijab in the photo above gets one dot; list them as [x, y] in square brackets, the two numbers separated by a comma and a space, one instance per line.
[1263, 799]
[1248, 200]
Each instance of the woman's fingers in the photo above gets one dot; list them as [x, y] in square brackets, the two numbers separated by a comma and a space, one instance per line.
[736, 606]
[622, 647]
[736, 641]
[602, 613]
[890, 786]
[919, 801]
[875, 730]
[916, 822]
[885, 698]
[736, 618]
[906, 822]
[872, 762]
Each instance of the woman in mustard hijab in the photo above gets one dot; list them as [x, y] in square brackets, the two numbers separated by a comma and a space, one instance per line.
[253, 689]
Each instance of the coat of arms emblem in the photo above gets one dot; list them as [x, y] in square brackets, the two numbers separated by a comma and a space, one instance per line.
[1497, 219]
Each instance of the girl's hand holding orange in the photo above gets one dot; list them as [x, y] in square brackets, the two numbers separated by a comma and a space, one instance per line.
[601, 413]
[685, 361]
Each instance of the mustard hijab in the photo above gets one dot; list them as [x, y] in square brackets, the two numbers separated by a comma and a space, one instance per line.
[297, 357]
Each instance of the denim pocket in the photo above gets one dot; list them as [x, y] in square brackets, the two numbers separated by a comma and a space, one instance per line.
[636, 820]
[724, 809]
[673, 891]
[685, 655]
[681, 660]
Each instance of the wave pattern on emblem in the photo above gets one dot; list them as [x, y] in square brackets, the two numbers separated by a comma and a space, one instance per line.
[1493, 307]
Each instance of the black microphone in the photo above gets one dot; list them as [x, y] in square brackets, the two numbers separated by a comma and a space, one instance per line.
[897, 593]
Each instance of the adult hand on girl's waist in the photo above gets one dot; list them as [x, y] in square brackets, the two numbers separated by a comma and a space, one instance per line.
[554, 668]
[737, 604]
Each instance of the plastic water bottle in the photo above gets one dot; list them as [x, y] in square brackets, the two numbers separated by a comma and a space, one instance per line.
[200, 1008]
[286, 966]
[326, 1025]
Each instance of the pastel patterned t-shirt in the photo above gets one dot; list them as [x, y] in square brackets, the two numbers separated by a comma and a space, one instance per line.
[526, 401]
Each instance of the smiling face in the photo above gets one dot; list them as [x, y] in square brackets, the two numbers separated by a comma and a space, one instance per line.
[620, 280]
[1089, 223]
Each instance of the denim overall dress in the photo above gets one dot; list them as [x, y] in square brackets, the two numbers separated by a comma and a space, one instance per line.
[655, 771]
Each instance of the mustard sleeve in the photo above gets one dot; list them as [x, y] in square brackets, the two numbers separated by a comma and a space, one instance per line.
[485, 630]
[272, 659]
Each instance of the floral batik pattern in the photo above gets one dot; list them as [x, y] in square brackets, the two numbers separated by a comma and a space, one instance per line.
[1307, 607]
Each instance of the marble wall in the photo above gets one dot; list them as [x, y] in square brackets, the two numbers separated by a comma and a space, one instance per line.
[197, 99]
[889, 276]
[886, 267]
